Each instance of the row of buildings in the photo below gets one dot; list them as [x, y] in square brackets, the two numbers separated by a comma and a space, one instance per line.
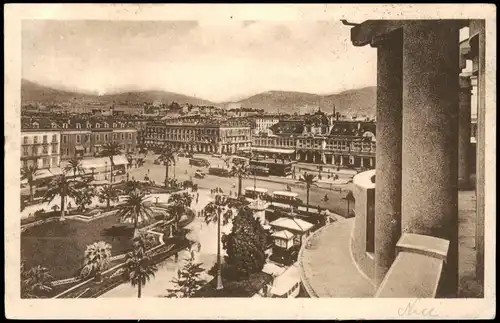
[46, 142]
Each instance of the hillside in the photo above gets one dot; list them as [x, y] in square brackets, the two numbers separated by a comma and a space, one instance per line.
[151, 96]
[33, 92]
[358, 101]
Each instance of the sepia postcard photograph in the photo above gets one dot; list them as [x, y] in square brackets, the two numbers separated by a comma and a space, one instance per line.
[240, 161]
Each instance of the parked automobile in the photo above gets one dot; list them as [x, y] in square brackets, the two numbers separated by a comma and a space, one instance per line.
[199, 174]
[217, 155]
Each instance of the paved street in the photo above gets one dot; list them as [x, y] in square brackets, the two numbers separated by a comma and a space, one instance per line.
[201, 232]
[183, 171]
[205, 234]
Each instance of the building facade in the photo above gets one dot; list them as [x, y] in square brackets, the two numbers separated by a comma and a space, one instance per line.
[264, 123]
[84, 137]
[205, 138]
[320, 139]
[40, 147]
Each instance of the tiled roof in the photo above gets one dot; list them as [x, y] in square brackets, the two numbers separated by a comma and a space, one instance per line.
[352, 128]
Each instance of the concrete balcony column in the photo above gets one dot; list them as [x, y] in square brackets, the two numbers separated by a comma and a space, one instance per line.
[389, 152]
[464, 125]
[430, 136]
[477, 40]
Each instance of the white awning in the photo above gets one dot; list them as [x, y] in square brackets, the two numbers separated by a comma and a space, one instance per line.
[102, 162]
[283, 234]
[272, 269]
[285, 282]
[45, 173]
[293, 224]
[273, 150]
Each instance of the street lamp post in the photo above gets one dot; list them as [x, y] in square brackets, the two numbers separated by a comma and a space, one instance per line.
[219, 264]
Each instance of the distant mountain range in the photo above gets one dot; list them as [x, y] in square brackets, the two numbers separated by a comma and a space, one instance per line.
[352, 102]
[33, 92]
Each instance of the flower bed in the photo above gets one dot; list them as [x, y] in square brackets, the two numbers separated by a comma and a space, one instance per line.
[60, 246]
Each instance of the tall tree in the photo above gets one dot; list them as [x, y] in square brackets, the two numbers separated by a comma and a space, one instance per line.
[188, 280]
[240, 169]
[74, 165]
[96, 258]
[309, 180]
[135, 209]
[111, 149]
[29, 173]
[178, 204]
[108, 194]
[245, 245]
[138, 269]
[36, 282]
[133, 185]
[61, 186]
[213, 212]
[84, 197]
[167, 156]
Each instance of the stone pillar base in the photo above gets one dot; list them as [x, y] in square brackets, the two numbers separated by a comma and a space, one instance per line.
[465, 184]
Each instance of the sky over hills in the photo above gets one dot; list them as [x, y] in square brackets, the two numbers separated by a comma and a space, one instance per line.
[216, 61]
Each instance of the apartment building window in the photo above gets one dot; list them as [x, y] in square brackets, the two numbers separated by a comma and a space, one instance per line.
[45, 139]
[25, 163]
[35, 139]
[45, 149]
[78, 139]
[97, 137]
[54, 161]
[123, 136]
[34, 150]
[106, 137]
[65, 139]
[54, 138]
[54, 148]
[78, 126]
[25, 151]
[114, 136]
[45, 162]
[25, 140]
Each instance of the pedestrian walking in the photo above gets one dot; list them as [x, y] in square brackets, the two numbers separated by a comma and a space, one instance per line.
[148, 171]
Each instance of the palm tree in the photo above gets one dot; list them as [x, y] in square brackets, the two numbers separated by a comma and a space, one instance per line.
[167, 156]
[213, 212]
[108, 193]
[132, 185]
[138, 269]
[61, 186]
[96, 258]
[349, 198]
[111, 149]
[178, 204]
[134, 209]
[74, 165]
[309, 180]
[29, 173]
[240, 169]
[35, 282]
